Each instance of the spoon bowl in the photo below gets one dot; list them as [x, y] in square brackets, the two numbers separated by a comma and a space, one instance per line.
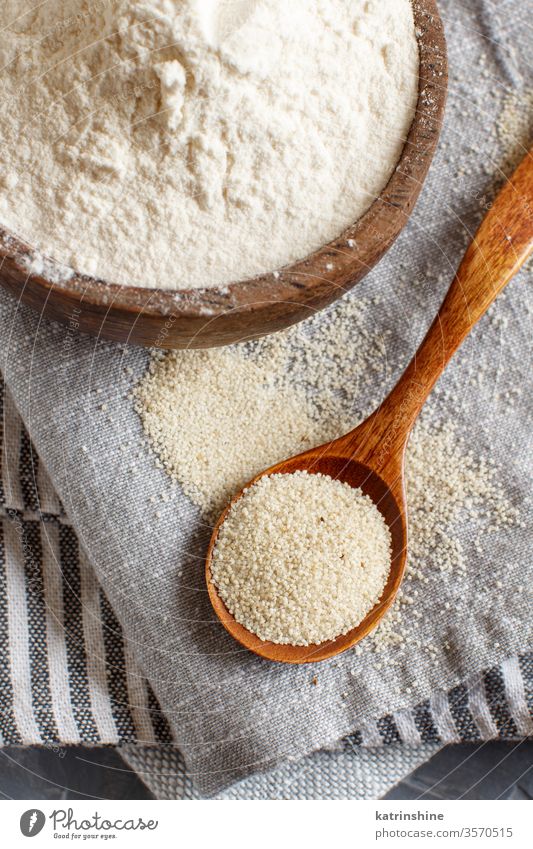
[327, 460]
[372, 456]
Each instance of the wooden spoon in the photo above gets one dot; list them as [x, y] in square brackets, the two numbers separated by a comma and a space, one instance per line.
[372, 455]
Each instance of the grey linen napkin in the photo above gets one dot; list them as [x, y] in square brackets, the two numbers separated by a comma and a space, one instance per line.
[68, 677]
[232, 714]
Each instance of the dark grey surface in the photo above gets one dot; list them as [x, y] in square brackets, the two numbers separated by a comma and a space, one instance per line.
[67, 773]
[485, 771]
[482, 771]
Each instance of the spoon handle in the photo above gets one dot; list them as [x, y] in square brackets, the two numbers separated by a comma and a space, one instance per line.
[501, 245]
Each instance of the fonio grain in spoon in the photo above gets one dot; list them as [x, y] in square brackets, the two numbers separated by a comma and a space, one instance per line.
[301, 558]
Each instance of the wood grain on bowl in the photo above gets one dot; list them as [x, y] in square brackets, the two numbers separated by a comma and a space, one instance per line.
[205, 318]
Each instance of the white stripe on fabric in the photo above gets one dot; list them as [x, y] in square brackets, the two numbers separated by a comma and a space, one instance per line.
[407, 729]
[442, 717]
[479, 708]
[370, 735]
[19, 636]
[95, 652]
[516, 696]
[11, 452]
[138, 699]
[48, 500]
[55, 627]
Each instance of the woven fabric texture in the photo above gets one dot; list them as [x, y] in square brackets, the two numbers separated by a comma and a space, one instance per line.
[230, 714]
[69, 679]
[347, 772]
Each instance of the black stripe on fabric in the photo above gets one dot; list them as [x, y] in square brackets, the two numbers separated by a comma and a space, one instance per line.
[74, 638]
[424, 724]
[354, 740]
[29, 516]
[2, 432]
[462, 715]
[497, 702]
[8, 726]
[525, 662]
[162, 732]
[28, 465]
[388, 729]
[117, 682]
[37, 643]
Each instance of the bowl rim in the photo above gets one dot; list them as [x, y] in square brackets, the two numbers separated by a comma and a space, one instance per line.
[312, 282]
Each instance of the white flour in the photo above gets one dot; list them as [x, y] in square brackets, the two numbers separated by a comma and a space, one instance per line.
[190, 143]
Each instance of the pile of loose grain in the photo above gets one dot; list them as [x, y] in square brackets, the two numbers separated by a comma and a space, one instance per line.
[213, 417]
[515, 126]
[217, 418]
[301, 558]
[448, 487]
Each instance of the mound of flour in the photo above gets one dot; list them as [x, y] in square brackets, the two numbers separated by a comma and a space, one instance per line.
[190, 143]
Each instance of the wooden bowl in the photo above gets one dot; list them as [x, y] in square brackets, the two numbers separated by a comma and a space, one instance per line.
[205, 318]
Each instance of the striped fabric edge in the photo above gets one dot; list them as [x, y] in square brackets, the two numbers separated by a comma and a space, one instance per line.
[67, 675]
[63, 673]
[494, 704]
